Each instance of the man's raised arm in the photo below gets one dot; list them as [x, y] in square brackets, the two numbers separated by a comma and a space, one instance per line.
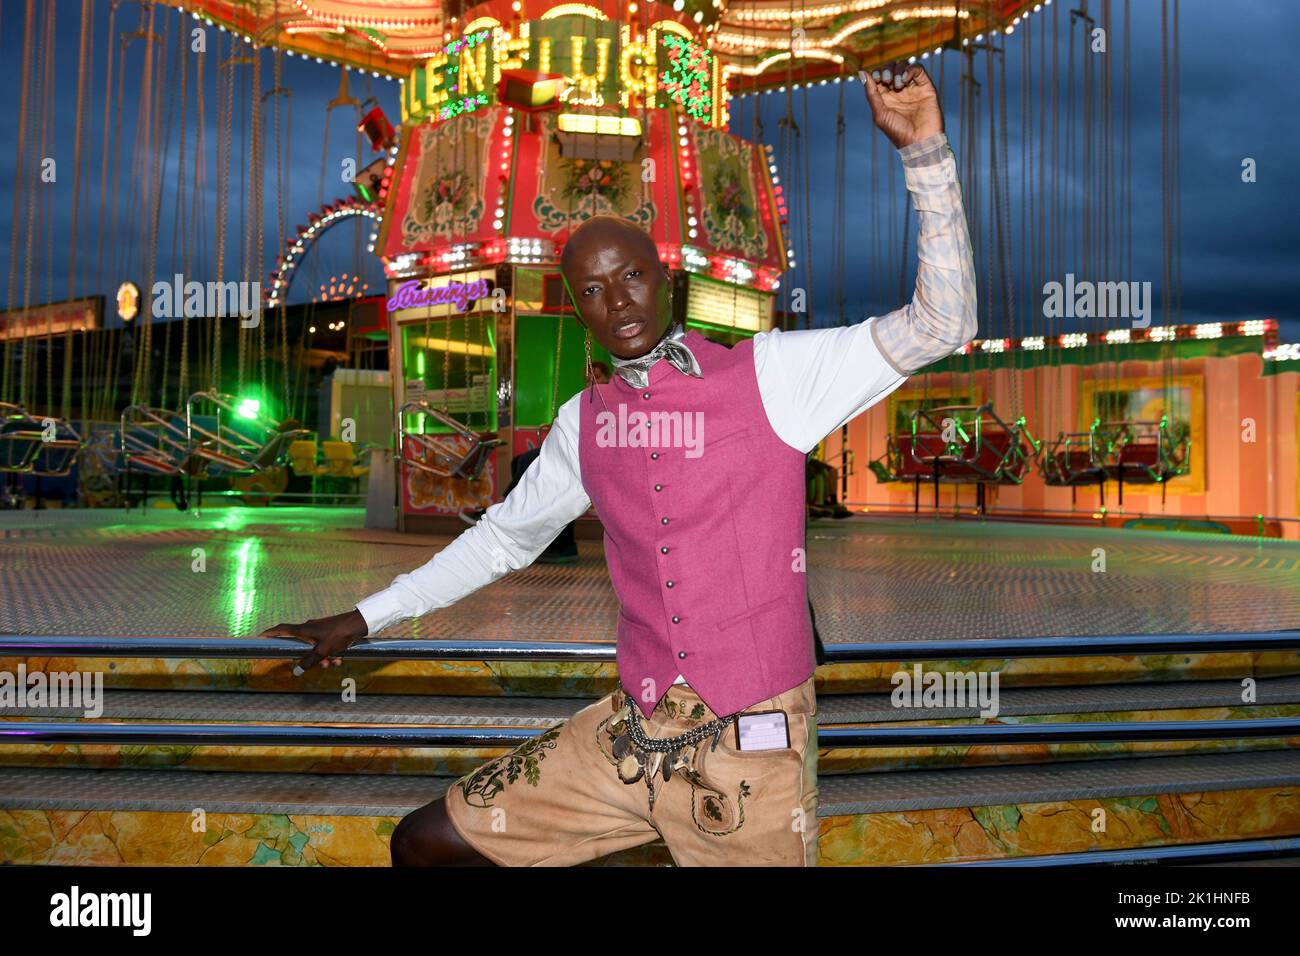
[815, 380]
[941, 317]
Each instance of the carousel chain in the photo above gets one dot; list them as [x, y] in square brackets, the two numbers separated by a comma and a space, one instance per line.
[280, 92]
[83, 71]
[258, 170]
[177, 224]
[5, 393]
[148, 122]
[46, 120]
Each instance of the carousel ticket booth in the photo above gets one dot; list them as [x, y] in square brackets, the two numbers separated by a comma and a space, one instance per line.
[513, 136]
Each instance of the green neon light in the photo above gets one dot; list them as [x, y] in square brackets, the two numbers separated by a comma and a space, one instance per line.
[687, 78]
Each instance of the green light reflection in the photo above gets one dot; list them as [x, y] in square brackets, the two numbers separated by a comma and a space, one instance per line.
[243, 587]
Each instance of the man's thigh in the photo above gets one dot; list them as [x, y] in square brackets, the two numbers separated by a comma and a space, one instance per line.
[555, 800]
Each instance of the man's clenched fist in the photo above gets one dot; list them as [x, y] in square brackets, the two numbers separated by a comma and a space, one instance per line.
[904, 103]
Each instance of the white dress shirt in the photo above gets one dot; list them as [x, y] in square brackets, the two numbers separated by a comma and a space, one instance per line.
[811, 381]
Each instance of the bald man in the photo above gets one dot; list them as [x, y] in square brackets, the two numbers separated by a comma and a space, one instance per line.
[694, 456]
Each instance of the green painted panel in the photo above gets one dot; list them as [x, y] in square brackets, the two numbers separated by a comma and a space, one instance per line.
[535, 366]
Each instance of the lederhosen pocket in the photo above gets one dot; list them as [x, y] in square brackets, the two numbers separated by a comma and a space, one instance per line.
[727, 776]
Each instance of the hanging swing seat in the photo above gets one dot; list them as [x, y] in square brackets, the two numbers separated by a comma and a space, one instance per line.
[216, 447]
[1144, 452]
[1074, 459]
[983, 449]
[26, 449]
[432, 454]
[889, 466]
[150, 440]
[959, 445]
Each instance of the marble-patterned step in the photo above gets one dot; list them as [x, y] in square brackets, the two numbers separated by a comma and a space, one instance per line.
[1209, 700]
[65, 816]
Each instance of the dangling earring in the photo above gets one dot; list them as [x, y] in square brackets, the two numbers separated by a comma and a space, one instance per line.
[591, 371]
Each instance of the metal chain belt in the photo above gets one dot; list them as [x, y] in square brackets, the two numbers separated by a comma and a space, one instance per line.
[634, 739]
[713, 728]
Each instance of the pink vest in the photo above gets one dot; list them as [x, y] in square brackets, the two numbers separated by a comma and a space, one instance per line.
[704, 531]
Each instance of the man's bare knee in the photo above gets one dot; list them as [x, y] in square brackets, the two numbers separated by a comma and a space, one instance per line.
[425, 837]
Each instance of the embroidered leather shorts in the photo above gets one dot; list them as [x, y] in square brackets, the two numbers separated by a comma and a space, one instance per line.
[558, 799]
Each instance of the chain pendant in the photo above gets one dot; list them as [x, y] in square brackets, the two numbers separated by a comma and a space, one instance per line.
[631, 768]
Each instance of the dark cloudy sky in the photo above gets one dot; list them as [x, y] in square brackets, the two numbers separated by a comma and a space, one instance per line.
[1240, 243]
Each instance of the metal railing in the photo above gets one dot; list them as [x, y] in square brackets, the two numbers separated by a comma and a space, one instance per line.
[1195, 853]
[835, 738]
[277, 648]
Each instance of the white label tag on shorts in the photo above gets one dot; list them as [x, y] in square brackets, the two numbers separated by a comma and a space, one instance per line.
[767, 731]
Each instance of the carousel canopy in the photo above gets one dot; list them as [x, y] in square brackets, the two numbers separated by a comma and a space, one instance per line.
[770, 43]
[762, 44]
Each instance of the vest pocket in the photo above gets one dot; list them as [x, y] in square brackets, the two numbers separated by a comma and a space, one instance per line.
[740, 631]
[772, 629]
[753, 612]
[735, 440]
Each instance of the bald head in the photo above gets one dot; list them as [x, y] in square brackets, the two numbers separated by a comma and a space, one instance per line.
[604, 230]
[618, 284]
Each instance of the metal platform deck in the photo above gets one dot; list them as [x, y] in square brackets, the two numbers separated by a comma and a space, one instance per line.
[132, 573]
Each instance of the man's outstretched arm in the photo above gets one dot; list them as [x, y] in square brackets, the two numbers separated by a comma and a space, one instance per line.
[510, 535]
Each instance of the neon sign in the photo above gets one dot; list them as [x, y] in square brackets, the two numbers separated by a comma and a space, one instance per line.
[416, 294]
[687, 79]
[466, 105]
[601, 62]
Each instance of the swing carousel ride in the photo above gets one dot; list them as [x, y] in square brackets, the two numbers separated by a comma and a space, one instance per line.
[413, 338]
[518, 120]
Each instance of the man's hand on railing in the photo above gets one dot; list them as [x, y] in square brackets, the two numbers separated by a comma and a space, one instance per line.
[330, 635]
